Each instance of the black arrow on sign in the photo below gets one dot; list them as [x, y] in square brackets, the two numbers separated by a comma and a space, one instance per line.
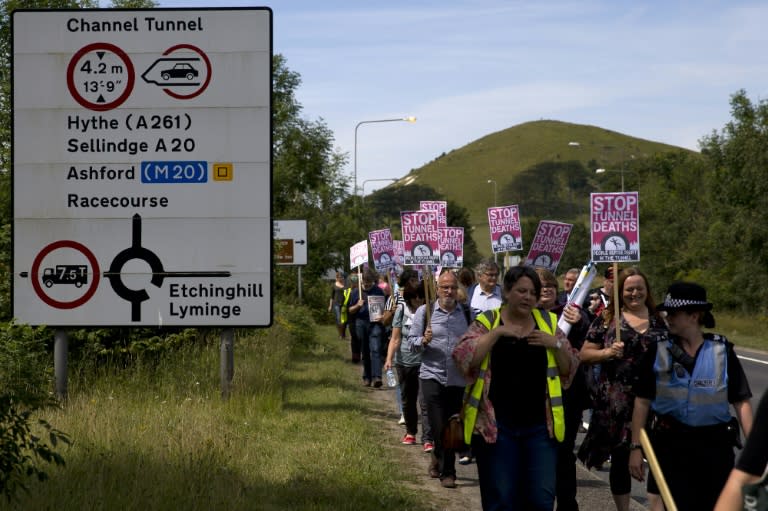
[299, 242]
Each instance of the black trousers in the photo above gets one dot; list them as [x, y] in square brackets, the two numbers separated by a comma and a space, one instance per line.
[695, 463]
[442, 402]
[566, 459]
[408, 376]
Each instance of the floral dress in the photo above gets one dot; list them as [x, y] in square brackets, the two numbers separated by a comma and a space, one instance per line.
[612, 393]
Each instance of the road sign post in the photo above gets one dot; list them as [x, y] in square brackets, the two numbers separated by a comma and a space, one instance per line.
[291, 243]
[142, 147]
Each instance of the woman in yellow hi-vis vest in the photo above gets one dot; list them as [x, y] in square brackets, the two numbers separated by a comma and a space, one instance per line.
[519, 362]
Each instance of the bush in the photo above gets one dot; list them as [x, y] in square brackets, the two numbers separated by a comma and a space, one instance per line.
[25, 365]
[298, 321]
[21, 448]
[25, 382]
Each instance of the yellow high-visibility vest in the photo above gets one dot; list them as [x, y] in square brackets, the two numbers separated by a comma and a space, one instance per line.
[474, 392]
[345, 305]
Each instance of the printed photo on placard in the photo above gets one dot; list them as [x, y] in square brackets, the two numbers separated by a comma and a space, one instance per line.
[376, 307]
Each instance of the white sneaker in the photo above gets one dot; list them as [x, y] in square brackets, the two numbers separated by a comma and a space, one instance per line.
[402, 420]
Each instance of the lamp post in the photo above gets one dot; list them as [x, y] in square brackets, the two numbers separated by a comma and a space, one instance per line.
[601, 171]
[410, 119]
[495, 255]
[494, 190]
[362, 186]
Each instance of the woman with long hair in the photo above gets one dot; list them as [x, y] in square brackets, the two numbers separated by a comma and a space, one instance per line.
[610, 430]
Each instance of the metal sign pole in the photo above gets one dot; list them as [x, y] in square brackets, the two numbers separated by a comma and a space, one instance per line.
[227, 361]
[60, 349]
[299, 284]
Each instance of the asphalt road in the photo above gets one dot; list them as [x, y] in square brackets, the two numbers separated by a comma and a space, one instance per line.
[755, 364]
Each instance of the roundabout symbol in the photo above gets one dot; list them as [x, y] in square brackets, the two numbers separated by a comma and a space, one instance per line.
[159, 274]
[36, 280]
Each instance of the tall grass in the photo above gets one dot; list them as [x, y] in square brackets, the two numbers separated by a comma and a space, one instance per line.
[293, 436]
[743, 330]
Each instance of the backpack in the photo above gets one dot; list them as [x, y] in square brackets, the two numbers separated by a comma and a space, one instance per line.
[464, 309]
[389, 312]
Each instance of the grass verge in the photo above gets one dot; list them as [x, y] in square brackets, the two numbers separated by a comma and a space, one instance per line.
[296, 435]
[742, 330]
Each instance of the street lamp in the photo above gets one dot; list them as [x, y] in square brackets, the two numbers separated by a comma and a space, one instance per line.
[362, 187]
[601, 171]
[410, 119]
[494, 190]
[495, 255]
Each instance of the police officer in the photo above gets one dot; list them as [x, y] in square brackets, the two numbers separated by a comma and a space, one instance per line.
[688, 382]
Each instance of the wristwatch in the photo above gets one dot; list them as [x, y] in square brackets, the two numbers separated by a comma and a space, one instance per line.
[633, 446]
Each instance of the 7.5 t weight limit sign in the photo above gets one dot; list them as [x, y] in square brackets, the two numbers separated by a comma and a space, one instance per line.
[100, 76]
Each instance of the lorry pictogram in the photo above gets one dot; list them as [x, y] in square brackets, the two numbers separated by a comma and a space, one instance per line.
[76, 274]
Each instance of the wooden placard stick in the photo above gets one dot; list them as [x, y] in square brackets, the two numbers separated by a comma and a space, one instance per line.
[653, 464]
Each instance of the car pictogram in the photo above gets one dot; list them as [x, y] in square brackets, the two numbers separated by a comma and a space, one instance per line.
[179, 70]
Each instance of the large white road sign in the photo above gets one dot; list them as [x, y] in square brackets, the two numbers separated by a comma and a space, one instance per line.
[142, 167]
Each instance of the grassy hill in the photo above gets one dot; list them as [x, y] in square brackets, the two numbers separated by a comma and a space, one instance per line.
[462, 175]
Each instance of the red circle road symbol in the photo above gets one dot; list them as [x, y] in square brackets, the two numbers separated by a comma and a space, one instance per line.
[100, 78]
[34, 275]
[207, 65]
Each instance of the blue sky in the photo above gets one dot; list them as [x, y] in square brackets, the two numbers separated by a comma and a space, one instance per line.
[659, 70]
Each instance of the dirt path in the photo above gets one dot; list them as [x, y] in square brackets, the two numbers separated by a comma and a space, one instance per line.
[593, 492]
[465, 497]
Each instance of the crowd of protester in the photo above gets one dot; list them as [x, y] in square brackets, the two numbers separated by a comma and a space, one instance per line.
[487, 346]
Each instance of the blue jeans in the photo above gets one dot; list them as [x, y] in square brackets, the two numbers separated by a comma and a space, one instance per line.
[370, 336]
[518, 471]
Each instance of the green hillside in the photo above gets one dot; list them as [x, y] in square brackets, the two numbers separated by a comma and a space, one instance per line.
[462, 175]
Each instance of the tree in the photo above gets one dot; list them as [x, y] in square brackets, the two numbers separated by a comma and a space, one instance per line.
[672, 191]
[308, 182]
[551, 190]
[736, 237]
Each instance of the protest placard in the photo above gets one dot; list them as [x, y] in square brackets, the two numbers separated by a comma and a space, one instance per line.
[440, 206]
[358, 254]
[383, 249]
[451, 247]
[548, 245]
[615, 227]
[504, 223]
[420, 237]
